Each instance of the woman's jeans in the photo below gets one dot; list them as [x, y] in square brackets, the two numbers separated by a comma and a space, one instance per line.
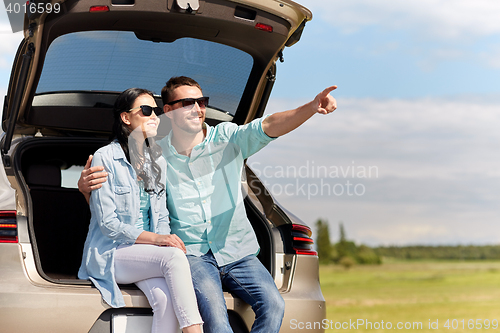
[163, 275]
[247, 279]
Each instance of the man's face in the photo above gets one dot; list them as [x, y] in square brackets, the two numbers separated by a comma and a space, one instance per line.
[187, 119]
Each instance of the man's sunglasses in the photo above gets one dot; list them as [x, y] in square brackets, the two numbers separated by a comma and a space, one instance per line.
[148, 110]
[189, 102]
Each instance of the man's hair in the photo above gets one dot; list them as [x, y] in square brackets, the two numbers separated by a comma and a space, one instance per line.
[174, 83]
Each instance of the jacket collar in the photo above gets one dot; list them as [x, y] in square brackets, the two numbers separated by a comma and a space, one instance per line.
[118, 153]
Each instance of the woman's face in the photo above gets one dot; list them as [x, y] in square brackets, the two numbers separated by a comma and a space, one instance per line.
[137, 121]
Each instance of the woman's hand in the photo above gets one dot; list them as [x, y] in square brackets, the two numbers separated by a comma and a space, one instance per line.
[147, 237]
[170, 240]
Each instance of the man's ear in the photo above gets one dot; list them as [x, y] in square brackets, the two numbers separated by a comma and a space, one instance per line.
[166, 110]
[125, 118]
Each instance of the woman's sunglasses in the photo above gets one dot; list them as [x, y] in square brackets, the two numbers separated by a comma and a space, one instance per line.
[148, 110]
[189, 102]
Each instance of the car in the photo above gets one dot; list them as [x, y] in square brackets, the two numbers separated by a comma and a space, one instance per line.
[69, 68]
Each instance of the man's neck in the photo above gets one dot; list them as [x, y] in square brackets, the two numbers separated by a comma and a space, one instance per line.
[185, 142]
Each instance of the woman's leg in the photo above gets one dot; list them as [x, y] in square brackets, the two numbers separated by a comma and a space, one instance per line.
[139, 262]
[156, 290]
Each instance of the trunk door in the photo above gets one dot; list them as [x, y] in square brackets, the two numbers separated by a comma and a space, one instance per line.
[74, 62]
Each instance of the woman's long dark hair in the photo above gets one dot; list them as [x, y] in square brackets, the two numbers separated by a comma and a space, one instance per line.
[121, 133]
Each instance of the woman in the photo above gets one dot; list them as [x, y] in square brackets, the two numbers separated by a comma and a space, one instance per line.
[128, 239]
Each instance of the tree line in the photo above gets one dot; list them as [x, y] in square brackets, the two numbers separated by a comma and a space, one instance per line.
[344, 252]
[347, 253]
[459, 252]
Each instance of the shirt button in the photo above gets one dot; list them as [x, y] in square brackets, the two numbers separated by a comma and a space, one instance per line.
[204, 201]
[209, 221]
[210, 242]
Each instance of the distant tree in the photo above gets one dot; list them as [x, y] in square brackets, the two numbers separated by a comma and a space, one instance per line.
[344, 247]
[323, 244]
[347, 262]
[342, 232]
[348, 253]
[366, 255]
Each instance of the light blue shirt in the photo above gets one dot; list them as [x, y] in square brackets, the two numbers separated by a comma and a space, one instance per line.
[143, 221]
[115, 209]
[204, 194]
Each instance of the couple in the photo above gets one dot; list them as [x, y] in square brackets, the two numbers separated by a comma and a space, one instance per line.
[204, 239]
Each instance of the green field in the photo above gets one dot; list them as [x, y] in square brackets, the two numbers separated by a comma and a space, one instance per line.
[408, 293]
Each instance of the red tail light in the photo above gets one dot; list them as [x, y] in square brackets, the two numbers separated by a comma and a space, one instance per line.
[94, 9]
[8, 226]
[302, 241]
[264, 27]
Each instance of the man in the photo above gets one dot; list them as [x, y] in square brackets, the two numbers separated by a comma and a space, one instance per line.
[206, 204]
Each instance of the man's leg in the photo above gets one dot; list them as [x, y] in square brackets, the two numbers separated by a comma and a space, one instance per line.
[249, 280]
[208, 289]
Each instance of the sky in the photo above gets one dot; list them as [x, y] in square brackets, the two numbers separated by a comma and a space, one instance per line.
[418, 102]
[411, 154]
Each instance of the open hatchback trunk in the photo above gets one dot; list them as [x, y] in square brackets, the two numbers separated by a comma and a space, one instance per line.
[68, 71]
[72, 65]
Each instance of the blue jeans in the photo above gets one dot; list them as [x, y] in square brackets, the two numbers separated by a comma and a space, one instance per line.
[247, 279]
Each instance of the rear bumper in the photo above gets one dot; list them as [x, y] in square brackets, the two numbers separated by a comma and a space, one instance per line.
[305, 307]
[31, 304]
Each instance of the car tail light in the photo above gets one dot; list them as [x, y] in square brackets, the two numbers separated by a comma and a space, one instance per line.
[264, 27]
[8, 226]
[302, 241]
[94, 9]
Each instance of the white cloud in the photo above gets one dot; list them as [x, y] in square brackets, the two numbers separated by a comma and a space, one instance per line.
[10, 41]
[437, 160]
[405, 138]
[4, 22]
[8, 48]
[444, 18]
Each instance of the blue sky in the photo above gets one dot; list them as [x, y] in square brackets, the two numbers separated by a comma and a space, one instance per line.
[419, 103]
[399, 49]
[418, 99]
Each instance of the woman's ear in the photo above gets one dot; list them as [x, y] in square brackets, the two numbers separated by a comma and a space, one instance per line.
[125, 118]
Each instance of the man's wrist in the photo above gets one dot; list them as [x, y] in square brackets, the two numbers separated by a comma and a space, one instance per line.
[310, 108]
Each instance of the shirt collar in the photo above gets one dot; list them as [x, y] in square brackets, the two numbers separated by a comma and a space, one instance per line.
[205, 126]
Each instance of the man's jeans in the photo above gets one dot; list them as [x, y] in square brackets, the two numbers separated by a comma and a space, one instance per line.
[247, 279]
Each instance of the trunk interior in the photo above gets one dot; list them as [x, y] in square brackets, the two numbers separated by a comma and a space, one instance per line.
[59, 215]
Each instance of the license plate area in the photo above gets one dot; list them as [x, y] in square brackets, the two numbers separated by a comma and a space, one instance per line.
[131, 323]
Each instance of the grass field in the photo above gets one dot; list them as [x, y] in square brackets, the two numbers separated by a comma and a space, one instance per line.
[408, 293]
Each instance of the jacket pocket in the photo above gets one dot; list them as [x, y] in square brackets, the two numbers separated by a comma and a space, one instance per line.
[123, 199]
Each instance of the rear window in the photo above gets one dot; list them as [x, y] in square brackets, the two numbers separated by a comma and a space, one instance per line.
[117, 60]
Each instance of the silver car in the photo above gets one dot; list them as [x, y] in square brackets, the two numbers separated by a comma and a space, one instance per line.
[70, 67]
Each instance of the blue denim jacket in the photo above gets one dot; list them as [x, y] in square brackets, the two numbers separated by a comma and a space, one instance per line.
[115, 208]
